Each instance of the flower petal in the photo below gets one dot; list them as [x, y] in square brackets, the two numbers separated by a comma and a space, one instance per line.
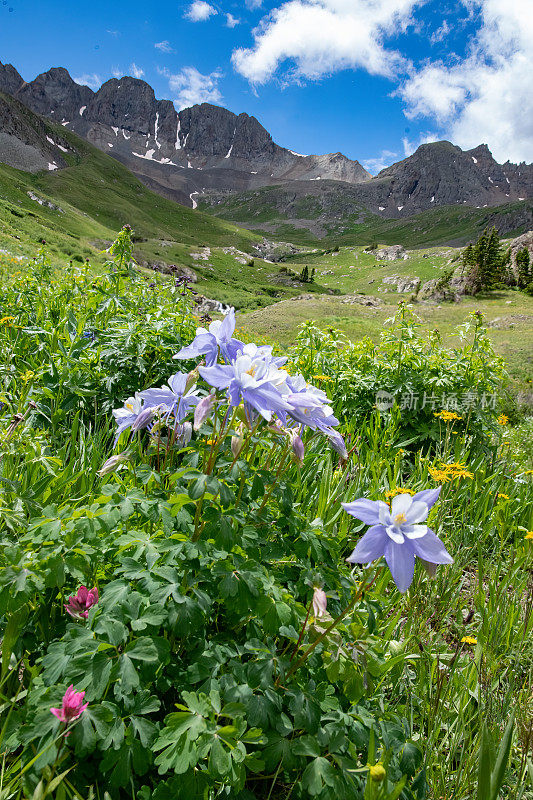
[401, 561]
[395, 534]
[428, 496]
[370, 547]
[220, 377]
[430, 548]
[414, 531]
[418, 512]
[366, 510]
[400, 504]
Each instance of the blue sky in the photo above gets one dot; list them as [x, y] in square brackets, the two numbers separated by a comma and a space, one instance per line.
[371, 78]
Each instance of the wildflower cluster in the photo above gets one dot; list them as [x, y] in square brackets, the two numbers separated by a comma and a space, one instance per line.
[447, 416]
[449, 472]
[245, 376]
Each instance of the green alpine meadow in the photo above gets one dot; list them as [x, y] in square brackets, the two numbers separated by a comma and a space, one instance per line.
[266, 414]
[237, 568]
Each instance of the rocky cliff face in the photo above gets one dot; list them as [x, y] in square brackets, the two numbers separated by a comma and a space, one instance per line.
[179, 155]
[27, 142]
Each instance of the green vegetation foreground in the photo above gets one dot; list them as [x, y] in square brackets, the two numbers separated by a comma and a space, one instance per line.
[179, 615]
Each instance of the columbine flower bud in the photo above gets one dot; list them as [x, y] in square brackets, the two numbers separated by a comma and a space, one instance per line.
[143, 420]
[78, 605]
[297, 447]
[203, 410]
[320, 602]
[192, 378]
[237, 441]
[112, 463]
[337, 443]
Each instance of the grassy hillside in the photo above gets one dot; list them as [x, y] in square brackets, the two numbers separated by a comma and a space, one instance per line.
[80, 209]
[336, 217]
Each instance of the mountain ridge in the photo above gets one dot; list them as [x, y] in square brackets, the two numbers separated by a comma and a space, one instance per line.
[205, 152]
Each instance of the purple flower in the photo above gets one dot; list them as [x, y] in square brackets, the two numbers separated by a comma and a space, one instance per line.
[173, 398]
[297, 447]
[252, 380]
[338, 444]
[72, 706]
[398, 534]
[203, 410]
[309, 405]
[126, 416]
[78, 605]
[209, 343]
[112, 463]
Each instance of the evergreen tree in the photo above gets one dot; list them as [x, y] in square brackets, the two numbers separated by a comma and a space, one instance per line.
[486, 261]
[312, 278]
[492, 267]
[304, 275]
[523, 267]
[468, 256]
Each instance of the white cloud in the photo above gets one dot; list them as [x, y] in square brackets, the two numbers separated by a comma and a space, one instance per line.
[136, 71]
[385, 159]
[192, 87]
[116, 72]
[487, 96]
[93, 81]
[319, 37]
[231, 21]
[164, 46]
[253, 4]
[199, 11]
[441, 33]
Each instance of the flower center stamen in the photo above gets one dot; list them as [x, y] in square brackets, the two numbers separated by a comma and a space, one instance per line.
[399, 519]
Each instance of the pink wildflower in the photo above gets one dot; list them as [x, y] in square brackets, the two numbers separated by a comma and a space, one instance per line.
[78, 605]
[72, 706]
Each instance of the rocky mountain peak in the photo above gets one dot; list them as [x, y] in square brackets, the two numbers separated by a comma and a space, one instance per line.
[54, 93]
[10, 80]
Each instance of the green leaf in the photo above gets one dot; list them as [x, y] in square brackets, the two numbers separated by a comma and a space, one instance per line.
[484, 768]
[143, 649]
[305, 746]
[410, 759]
[219, 759]
[317, 773]
[502, 757]
[13, 629]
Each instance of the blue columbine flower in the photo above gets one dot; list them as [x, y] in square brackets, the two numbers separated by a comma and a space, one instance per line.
[172, 398]
[218, 339]
[255, 381]
[398, 534]
[133, 414]
[310, 405]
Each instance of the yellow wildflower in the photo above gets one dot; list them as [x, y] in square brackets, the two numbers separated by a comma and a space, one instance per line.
[469, 640]
[393, 492]
[27, 376]
[503, 420]
[503, 496]
[439, 475]
[447, 416]
[529, 535]
[6, 320]
[325, 378]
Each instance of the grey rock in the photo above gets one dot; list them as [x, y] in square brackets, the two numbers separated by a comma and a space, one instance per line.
[392, 253]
